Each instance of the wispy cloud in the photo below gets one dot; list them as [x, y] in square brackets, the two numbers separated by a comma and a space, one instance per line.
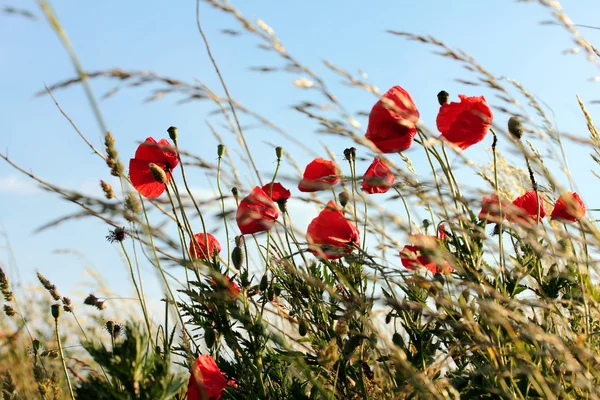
[15, 184]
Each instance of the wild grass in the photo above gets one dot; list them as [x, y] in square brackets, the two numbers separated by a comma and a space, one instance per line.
[518, 318]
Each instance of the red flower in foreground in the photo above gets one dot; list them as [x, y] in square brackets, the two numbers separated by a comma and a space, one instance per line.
[393, 121]
[568, 207]
[320, 174]
[231, 286]
[256, 212]
[206, 380]
[492, 210]
[422, 253]
[331, 235]
[378, 178]
[198, 248]
[151, 152]
[465, 123]
[278, 193]
[525, 209]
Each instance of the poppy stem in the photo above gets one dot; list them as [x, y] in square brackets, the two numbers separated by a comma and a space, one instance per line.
[62, 357]
[497, 188]
[137, 289]
[224, 215]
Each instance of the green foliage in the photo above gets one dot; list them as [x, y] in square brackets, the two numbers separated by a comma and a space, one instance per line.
[136, 369]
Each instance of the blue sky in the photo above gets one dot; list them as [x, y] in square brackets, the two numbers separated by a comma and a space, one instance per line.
[504, 36]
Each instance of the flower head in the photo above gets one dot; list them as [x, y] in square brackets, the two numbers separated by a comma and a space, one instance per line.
[422, 253]
[393, 121]
[330, 235]
[493, 210]
[277, 192]
[152, 152]
[206, 379]
[320, 174]
[568, 207]
[256, 212]
[465, 123]
[199, 248]
[378, 178]
[525, 209]
[230, 285]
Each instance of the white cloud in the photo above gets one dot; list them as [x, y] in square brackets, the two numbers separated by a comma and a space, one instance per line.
[17, 184]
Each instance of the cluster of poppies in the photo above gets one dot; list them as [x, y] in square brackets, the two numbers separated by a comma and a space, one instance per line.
[391, 128]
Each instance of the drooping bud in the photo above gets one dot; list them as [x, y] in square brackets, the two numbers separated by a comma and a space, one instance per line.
[158, 173]
[515, 127]
[235, 193]
[209, 337]
[173, 133]
[344, 197]
[348, 154]
[353, 153]
[279, 152]
[264, 283]
[443, 97]
[220, 150]
[302, 328]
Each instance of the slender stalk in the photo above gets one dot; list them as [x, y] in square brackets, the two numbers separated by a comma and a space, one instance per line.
[223, 210]
[60, 352]
[137, 289]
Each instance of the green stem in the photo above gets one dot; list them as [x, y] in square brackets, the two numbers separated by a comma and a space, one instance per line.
[62, 358]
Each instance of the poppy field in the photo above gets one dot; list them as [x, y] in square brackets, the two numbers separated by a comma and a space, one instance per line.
[457, 280]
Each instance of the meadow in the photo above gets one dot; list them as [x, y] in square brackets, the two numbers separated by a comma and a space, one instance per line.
[442, 278]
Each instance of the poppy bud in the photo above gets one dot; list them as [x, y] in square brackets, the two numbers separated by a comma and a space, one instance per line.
[264, 282]
[173, 133]
[302, 328]
[353, 153]
[220, 150]
[237, 257]
[234, 192]
[348, 154]
[277, 290]
[344, 197]
[279, 152]
[209, 337]
[55, 308]
[388, 318]
[515, 127]
[158, 173]
[397, 339]
[426, 223]
[443, 97]
[270, 293]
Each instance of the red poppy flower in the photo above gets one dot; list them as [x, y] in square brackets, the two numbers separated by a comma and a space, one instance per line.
[422, 253]
[568, 207]
[393, 121]
[331, 235]
[319, 174]
[465, 123]
[378, 178]
[206, 379]
[231, 286]
[525, 209]
[198, 248]
[151, 152]
[277, 193]
[492, 210]
[256, 212]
